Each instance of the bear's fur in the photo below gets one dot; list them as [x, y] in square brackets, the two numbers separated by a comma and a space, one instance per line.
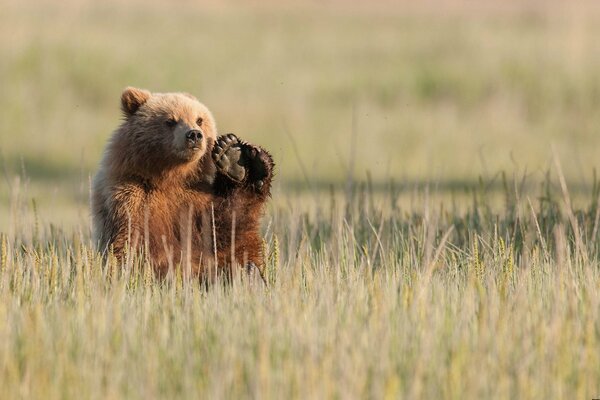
[170, 187]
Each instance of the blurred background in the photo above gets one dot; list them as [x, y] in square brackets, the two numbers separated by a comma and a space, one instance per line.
[439, 93]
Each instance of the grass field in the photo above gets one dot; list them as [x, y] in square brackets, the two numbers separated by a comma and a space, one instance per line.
[434, 230]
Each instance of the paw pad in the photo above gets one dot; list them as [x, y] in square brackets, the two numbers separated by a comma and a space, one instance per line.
[229, 158]
[241, 161]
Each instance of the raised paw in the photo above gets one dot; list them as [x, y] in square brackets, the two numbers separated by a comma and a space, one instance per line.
[229, 158]
[243, 162]
[259, 164]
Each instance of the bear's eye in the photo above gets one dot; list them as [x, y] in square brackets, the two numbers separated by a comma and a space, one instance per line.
[199, 121]
[171, 122]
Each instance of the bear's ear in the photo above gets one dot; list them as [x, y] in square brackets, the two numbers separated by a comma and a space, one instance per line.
[132, 98]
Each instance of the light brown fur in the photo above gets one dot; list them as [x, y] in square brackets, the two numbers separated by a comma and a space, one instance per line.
[154, 192]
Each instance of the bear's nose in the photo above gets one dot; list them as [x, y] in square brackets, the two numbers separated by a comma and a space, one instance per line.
[194, 135]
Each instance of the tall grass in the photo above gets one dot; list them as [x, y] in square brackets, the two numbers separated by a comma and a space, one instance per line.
[365, 298]
[465, 288]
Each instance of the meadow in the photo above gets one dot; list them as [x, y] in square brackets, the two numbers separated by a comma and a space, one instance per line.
[434, 230]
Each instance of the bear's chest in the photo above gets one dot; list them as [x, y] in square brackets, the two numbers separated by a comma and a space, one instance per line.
[172, 212]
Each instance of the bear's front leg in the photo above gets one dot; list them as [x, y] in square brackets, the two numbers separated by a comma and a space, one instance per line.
[243, 165]
[242, 186]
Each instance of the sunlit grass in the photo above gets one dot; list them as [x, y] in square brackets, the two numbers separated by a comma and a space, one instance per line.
[364, 298]
[400, 262]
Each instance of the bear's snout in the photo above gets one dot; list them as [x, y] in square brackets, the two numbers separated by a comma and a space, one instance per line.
[194, 136]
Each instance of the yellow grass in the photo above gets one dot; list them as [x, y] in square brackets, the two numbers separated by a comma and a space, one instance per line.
[393, 270]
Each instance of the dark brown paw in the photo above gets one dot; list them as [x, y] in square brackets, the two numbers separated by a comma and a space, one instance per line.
[229, 158]
[259, 164]
[242, 162]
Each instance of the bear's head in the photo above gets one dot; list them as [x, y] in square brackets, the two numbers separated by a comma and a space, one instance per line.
[162, 132]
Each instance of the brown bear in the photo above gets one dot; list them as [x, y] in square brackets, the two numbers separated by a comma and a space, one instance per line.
[170, 187]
